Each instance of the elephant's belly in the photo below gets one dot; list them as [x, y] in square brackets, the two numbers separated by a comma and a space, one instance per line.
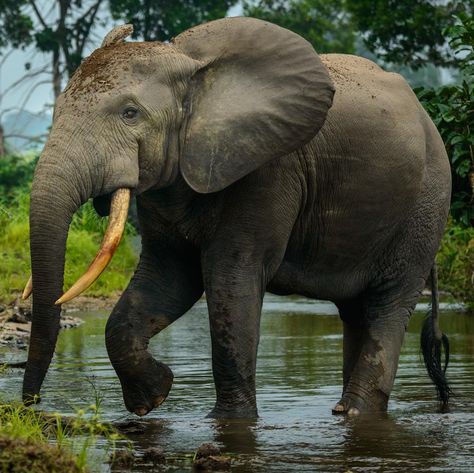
[318, 282]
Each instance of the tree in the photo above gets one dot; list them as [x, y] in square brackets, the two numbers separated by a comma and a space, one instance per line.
[408, 32]
[325, 24]
[452, 110]
[160, 20]
[2, 143]
[61, 28]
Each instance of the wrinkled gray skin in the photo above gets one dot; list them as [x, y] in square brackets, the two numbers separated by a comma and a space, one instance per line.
[250, 176]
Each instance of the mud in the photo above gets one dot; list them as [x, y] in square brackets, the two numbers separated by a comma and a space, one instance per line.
[20, 456]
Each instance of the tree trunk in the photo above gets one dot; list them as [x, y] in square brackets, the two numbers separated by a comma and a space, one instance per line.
[2, 144]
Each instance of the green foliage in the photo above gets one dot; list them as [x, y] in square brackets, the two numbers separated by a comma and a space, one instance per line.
[455, 261]
[84, 238]
[408, 32]
[64, 34]
[160, 20]
[16, 25]
[16, 173]
[34, 442]
[326, 25]
[452, 110]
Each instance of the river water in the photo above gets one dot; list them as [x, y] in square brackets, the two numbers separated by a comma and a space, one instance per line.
[299, 381]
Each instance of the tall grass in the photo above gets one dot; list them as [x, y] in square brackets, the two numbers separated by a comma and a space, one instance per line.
[84, 238]
[54, 439]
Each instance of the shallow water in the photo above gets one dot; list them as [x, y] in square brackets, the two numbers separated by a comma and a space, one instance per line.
[299, 381]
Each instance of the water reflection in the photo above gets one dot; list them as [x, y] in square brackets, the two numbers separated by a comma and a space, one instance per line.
[299, 379]
[237, 436]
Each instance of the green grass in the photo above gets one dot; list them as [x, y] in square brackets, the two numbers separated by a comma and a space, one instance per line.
[84, 239]
[34, 442]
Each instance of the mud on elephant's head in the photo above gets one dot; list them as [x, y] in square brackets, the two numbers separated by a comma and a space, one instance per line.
[214, 104]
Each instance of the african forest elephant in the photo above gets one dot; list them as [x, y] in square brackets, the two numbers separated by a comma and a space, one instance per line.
[257, 165]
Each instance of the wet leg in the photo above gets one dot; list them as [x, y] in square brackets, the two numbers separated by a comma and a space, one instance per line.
[351, 313]
[166, 284]
[372, 347]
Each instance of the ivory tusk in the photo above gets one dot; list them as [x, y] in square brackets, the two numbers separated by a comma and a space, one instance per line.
[117, 219]
[28, 289]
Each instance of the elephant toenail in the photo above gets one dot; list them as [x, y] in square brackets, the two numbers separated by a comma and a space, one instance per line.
[158, 401]
[338, 409]
[141, 411]
[353, 411]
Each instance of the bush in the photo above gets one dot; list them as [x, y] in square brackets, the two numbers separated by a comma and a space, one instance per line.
[452, 110]
[16, 174]
[455, 261]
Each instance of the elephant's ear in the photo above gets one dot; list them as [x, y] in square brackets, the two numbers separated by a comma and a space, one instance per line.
[261, 92]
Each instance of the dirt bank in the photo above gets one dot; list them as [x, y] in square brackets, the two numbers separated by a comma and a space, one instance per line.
[15, 318]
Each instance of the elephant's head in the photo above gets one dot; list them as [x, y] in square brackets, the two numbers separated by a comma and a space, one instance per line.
[216, 103]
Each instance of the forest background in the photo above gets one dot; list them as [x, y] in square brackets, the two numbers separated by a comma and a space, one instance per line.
[429, 42]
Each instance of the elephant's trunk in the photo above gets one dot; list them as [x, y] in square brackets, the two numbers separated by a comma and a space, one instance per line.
[55, 196]
[69, 172]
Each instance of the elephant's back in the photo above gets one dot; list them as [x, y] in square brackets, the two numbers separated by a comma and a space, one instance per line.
[371, 165]
[380, 128]
[373, 107]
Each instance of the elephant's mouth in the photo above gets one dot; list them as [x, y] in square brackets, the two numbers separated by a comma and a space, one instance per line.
[102, 204]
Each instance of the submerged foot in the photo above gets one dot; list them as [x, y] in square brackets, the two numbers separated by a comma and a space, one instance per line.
[339, 409]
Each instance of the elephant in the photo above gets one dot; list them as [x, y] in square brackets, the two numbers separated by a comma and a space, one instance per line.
[257, 165]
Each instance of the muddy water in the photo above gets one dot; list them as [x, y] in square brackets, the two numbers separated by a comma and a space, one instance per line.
[299, 380]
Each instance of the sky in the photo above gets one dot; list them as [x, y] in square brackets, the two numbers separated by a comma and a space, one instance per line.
[37, 95]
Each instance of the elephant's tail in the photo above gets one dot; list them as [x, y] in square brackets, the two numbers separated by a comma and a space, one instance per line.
[433, 341]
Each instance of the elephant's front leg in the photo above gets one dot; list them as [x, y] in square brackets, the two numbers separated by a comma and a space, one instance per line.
[166, 284]
[236, 270]
[235, 300]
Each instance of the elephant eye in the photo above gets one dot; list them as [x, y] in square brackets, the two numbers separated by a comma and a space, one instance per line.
[130, 113]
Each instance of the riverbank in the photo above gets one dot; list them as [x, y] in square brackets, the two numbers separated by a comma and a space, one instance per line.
[15, 325]
[15, 319]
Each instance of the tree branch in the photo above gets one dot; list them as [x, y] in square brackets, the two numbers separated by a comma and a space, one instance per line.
[26, 76]
[93, 13]
[30, 92]
[35, 139]
[7, 55]
[38, 14]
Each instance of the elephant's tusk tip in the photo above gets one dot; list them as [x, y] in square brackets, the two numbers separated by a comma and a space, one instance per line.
[28, 289]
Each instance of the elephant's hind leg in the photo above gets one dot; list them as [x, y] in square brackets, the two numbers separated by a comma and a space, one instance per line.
[373, 337]
[166, 284]
[351, 313]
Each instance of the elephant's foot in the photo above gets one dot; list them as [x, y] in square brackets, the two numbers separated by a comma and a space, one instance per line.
[352, 404]
[340, 408]
[148, 388]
